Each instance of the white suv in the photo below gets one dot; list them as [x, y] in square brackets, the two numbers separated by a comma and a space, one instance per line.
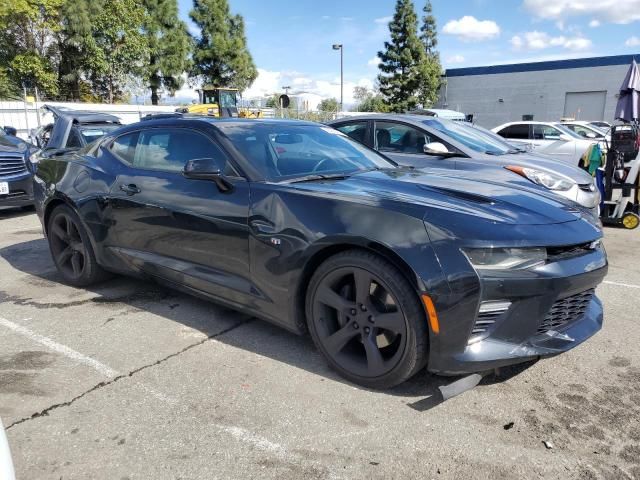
[546, 137]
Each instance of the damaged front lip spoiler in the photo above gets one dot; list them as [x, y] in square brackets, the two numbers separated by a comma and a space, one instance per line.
[493, 353]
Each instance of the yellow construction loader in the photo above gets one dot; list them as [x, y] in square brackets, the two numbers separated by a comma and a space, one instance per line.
[219, 102]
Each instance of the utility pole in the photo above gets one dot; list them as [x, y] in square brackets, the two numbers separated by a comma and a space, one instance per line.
[339, 46]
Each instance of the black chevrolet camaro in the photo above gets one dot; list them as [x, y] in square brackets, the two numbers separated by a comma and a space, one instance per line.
[389, 269]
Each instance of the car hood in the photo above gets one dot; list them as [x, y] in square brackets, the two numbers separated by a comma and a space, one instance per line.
[12, 145]
[458, 192]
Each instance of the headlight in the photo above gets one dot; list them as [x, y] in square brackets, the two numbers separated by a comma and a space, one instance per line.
[505, 258]
[34, 158]
[546, 179]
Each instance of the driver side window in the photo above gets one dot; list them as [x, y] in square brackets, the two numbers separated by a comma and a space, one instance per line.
[399, 138]
[545, 132]
[170, 149]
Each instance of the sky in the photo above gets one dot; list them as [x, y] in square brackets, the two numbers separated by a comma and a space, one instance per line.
[291, 40]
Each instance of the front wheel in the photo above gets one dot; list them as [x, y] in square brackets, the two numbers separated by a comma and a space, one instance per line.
[71, 249]
[366, 320]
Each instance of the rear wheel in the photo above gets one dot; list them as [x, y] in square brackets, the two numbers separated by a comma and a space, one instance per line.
[71, 249]
[366, 319]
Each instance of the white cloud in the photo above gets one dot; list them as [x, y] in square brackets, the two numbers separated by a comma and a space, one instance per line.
[325, 17]
[614, 11]
[594, 23]
[270, 82]
[455, 59]
[383, 20]
[471, 29]
[540, 40]
[374, 62]
[632, 41]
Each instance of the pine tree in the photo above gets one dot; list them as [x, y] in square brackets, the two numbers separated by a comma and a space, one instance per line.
[432, 70]
[403, 62]
[75, 44]
[169, 45]
[429, 31]
[221, 56]
[118, 49]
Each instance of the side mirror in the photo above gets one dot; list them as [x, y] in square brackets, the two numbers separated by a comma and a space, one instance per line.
[436, 148]
[591, 135]
[207, 169]
[565, 138]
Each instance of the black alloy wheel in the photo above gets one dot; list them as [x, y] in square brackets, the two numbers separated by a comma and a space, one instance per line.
[71, 249]
[366, 320]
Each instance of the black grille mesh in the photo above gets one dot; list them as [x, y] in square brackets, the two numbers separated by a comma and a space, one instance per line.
[566, 311]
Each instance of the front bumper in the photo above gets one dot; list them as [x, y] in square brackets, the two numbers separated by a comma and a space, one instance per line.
[20, 191]
[519, 334]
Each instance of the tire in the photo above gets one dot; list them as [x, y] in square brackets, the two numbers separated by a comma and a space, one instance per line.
[377, 339]
[630, 221]
[71, 249]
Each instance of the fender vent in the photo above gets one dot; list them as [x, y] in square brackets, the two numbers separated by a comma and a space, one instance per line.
[488, 313]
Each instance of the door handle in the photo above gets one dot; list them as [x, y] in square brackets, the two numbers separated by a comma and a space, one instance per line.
[130, 189]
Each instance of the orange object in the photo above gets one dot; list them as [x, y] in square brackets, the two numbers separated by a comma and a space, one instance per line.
[431, 313]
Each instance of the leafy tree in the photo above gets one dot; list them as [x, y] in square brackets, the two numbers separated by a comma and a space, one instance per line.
[329, 105]
[369, 100]
[432, 69]
[169, 46]
[27, 47]
[403, 62]
[221, 56]
[8, 89]
[118, 48]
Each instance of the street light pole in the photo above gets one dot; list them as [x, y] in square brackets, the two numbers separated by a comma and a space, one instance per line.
[339, 46]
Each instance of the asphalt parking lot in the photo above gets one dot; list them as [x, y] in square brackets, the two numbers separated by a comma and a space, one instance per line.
[129, 380]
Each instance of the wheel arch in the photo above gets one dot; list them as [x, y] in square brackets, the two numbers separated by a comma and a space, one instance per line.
[326, 251]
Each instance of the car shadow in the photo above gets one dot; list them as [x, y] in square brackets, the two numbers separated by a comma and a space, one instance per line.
[33, 258]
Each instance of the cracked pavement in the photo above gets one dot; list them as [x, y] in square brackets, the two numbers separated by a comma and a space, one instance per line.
[129, 380]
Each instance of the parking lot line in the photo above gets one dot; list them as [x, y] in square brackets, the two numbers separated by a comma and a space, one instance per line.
[628, 285]
[62, 349]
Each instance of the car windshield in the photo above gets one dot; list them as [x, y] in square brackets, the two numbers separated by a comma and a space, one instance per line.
[286, 152]
[472, 137]
[564, 129]
[94, 132]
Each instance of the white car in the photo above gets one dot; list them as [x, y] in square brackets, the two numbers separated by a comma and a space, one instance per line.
[549, 138]
[6, 465]
[588, 130]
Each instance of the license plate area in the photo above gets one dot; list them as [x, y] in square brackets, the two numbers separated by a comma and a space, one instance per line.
[4, 188]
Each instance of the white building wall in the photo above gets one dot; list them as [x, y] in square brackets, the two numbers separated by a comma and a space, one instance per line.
[538, 93]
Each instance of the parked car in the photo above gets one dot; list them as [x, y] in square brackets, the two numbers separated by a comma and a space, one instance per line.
[600, 124]
[72, 129]
[390, 269]
[438, 143]
[546, 137]
[15, 179]
[588, 130]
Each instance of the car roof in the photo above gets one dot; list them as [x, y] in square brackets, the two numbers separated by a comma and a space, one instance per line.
[81, 116]
[406, 117]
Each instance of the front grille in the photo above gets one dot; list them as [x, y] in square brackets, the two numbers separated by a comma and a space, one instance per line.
[566, 311]
[568, 251]
[12, 165]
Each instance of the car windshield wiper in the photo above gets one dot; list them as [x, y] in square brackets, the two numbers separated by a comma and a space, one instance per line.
[315, 177]
[516, 150]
